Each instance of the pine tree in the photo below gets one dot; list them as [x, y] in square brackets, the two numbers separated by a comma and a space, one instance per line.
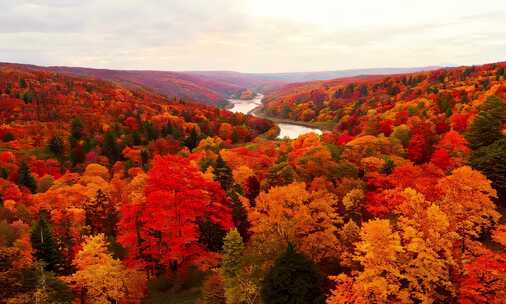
[491, 160]
[111, 148]
[192, 140]
[223, 174]
[252, 189]
[25, 178]
[233, 248]
[211, 235]
[486, 127]
[239, 215]
[293, 279]
[44, 244]
[57, 147]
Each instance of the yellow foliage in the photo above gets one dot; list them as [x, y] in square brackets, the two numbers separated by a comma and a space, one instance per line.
[104, 278]
[293, 214]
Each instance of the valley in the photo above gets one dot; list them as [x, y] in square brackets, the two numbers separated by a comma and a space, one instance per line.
[290, 130]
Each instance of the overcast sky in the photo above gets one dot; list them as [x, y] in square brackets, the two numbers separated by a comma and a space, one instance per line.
[252, 35]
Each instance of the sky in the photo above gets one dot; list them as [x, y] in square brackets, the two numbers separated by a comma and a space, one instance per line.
[252, 35]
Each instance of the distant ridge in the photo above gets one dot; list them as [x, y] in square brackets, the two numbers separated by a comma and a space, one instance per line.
[213, 87]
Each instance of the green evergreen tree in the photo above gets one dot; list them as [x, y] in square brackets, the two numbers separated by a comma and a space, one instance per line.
[25, 177]
[192, 140]
[7, 137]
[293, 279]
[211, 234]
[491, 160]
[44, 244]
[136, 138]
[223, 174]
[233, 247]
[231, 264]
[239, 214]
[22, 83]
[487, 125]
[110, 148]
[76, 129]
[57, 147]
[280, 174]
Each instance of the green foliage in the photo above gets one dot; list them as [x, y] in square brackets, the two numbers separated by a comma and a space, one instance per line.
[491, 160]
[7, 137]
[30, 284]
[223, 174]
[231, 266]
[22, 83]
[487, 125]
[111, 148]
[57, 147]
[211, 235]
[55, 289]
[388, 167]
[76, 129]
[192, 140]
[25, 178]
[150, 131]
[233, 248]
[4, 173]
[28, 96]
[280, 174]
[239, 214]
[44, 245]
[293, 279]
[403, 134]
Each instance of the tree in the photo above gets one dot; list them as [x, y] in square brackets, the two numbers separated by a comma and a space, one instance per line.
[239, 215]
[252, 189]
[57, 147]
[25, 178]
[161, 232]
[487, 125]
[44, 244]
[102, 278]
[110, 147]
[291, 214]
[491, 161]
[223, 174]
[101, 214]
[22, 283]
[467, 200]
[211, 235]
[77, 130]
[231, 265]
[293, 279]
[192, 140]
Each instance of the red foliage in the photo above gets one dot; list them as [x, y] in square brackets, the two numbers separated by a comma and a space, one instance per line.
[164, 229]
[485, 280]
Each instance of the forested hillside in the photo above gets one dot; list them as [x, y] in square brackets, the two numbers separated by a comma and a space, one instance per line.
[116, 195]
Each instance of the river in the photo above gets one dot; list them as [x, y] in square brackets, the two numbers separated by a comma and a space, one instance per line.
[286, 129]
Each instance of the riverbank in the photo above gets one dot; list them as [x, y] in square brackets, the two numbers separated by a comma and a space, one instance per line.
[286, 127]
[258, 112]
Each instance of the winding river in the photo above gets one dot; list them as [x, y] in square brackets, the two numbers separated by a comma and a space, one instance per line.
[286, 129]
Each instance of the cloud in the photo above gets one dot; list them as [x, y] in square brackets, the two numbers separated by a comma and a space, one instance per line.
[251, 35]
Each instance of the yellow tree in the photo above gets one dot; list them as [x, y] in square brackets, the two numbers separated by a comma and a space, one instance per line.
[409, 262]
[101, 278]
[427, 259]
[467, 200]
[293, 214]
